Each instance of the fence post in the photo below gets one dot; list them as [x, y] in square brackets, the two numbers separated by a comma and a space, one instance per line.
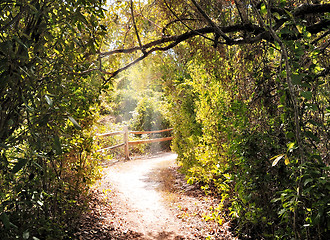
[126, 143]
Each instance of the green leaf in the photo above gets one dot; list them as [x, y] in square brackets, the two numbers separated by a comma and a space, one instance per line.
[57, 145]
[30, 109]
[5, 220]
[300, 28]
[290, 135]
[19, 165]
[37, 165]
[307, 95]
[284, 31]
[263, 9]
[4, 159]
[190, 181]
[283, 3]
[277, 158]
[311, 107]
[75, 123]
[296, 79]
[290, 145]
[49, 100]
[289, 14]
[308, 181]
[10, 122]
[20, 42]
[82, 18]
[33, 8]
[311, 135]
[317, 157]
[282, 211]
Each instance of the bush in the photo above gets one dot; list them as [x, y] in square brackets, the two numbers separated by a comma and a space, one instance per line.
[232, 139]
[149, 115]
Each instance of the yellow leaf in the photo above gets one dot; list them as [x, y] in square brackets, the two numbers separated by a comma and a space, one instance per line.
[300, 28]
[290, 145]
[286, 160]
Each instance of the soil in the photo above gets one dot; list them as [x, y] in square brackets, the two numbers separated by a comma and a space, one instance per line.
[147, 198]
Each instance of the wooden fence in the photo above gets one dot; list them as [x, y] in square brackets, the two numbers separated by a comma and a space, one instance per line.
[126, 143]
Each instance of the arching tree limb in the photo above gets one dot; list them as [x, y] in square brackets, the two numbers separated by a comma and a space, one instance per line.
[255, 32]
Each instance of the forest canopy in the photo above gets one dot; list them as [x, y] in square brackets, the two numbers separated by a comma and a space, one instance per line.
[247, 83]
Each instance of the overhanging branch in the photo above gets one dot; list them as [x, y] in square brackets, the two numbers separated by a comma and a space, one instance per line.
[256, 33]
[218, 31]
[254, 29]
[146, 54]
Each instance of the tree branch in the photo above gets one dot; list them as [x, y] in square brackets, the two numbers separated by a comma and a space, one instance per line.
[177, 20]
[310, 9]
[318, 27]
[135, 28]
[216, 28]
[256, 33]
[182, 21]
[146, 54]
[260, 32]
[254, 29]
[284, 55]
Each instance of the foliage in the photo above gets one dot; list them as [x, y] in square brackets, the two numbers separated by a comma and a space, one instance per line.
[123, 103]
[235, 134]
[47, 108]
[248, 86]
[149, 115]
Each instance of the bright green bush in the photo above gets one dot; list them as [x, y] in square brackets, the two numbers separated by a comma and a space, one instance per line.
[238, 141]
[149, 114]
[123, 103]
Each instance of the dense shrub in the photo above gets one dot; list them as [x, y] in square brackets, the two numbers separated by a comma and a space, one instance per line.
[233, 139]
[150, 114]
[47, 110]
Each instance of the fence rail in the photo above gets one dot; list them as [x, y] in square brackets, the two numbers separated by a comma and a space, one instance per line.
[112, 147]
[150, 140]
[110, 134]
[126, 143]
[147, 132]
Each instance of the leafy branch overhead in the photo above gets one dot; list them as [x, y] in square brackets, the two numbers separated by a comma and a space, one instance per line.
[254, 23]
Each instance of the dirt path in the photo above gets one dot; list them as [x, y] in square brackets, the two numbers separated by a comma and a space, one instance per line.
[137, 187]
[148, 199]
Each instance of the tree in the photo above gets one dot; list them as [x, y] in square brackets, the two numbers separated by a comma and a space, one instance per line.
[45, 49]
[224, 23]
[237, 23]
